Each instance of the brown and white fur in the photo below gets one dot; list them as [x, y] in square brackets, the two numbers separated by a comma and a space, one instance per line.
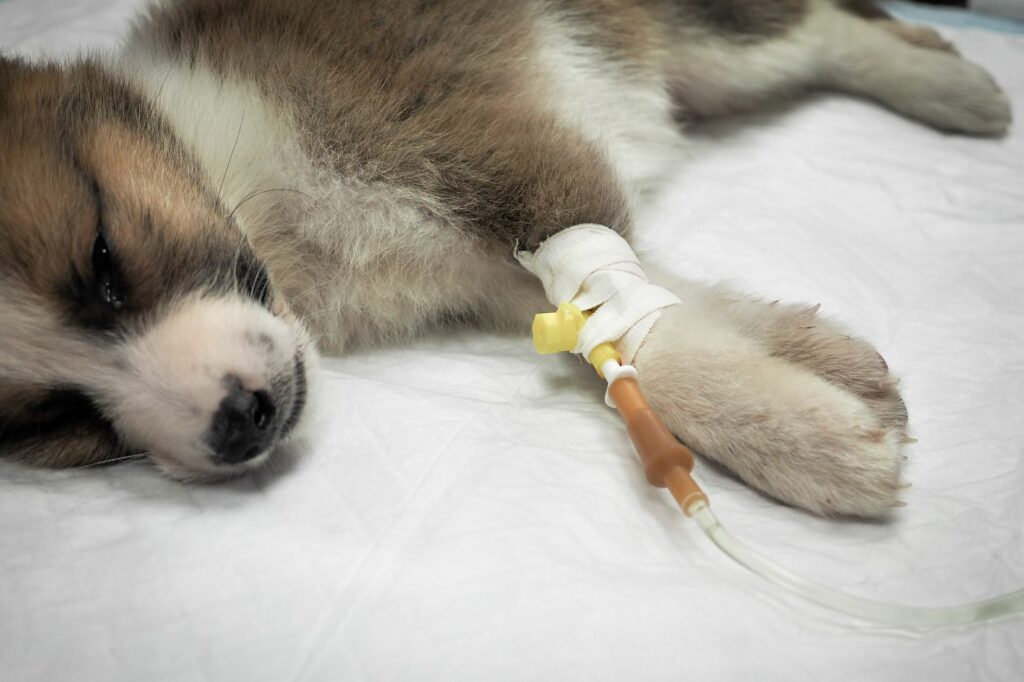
[179, 222]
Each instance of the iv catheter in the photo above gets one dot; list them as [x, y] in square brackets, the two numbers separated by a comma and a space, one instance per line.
[668, 463]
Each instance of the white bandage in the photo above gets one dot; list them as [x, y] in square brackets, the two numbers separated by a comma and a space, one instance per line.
[594, 267]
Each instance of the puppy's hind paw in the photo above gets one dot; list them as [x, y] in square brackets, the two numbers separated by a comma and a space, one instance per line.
[958, 96]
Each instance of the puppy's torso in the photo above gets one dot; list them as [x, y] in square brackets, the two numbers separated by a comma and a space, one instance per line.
[355, 142]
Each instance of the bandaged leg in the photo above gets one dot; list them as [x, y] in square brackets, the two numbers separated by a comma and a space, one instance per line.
[793, 405]
[594, 268]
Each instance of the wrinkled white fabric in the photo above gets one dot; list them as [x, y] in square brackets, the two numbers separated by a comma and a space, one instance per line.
[466, 510]
[593, 267]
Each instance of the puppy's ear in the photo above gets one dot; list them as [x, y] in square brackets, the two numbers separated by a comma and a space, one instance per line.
[55, 428]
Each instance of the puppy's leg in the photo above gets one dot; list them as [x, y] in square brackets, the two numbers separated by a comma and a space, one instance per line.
[921, 36]
[911, 70]
[791, 403]
[723, 384]
[844, 46]
[781, 427]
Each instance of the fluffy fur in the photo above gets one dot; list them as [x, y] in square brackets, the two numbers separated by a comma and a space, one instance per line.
[264, 171]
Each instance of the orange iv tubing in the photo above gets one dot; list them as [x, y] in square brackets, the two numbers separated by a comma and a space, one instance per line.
[668, 463]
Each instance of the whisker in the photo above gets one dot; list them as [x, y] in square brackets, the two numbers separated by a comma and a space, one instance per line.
[234, 264]
[231, 156]
[114, 460]
[163, 84]
[253, 195]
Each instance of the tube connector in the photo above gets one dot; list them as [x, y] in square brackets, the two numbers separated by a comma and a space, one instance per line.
[667, 462]
[557, 332]
[602, 354]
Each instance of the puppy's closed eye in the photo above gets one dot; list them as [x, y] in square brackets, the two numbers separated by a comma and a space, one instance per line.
[96, 293]
[104, 272]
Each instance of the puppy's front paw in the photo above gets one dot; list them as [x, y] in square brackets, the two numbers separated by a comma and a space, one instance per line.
[782, 428]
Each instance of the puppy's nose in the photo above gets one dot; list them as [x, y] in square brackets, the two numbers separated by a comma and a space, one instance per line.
[241, 426]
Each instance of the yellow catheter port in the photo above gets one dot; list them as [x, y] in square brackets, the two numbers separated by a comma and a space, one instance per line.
[602, 354]
[557, 332]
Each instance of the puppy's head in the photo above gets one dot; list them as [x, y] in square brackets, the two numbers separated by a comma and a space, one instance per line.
[134, 316]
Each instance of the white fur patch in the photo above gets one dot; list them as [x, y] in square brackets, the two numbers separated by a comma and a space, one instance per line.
[627, 117]
[245, 145]
[362, 262]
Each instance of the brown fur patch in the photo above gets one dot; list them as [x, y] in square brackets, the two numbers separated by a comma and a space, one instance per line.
[741, 20]
[57, 427]
[429, 96]
[868, 9]
[627, 30]
[8, 68]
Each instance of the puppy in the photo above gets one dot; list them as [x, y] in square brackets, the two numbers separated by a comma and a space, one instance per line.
[184, 222]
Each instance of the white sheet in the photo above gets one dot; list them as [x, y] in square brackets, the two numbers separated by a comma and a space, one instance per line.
[472, 511]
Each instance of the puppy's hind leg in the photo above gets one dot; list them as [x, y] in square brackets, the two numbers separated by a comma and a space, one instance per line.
[915, 34]
[845, 45]
[909, 69]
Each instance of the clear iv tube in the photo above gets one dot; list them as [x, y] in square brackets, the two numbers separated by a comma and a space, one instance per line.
[667, 463]
[898, 615]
